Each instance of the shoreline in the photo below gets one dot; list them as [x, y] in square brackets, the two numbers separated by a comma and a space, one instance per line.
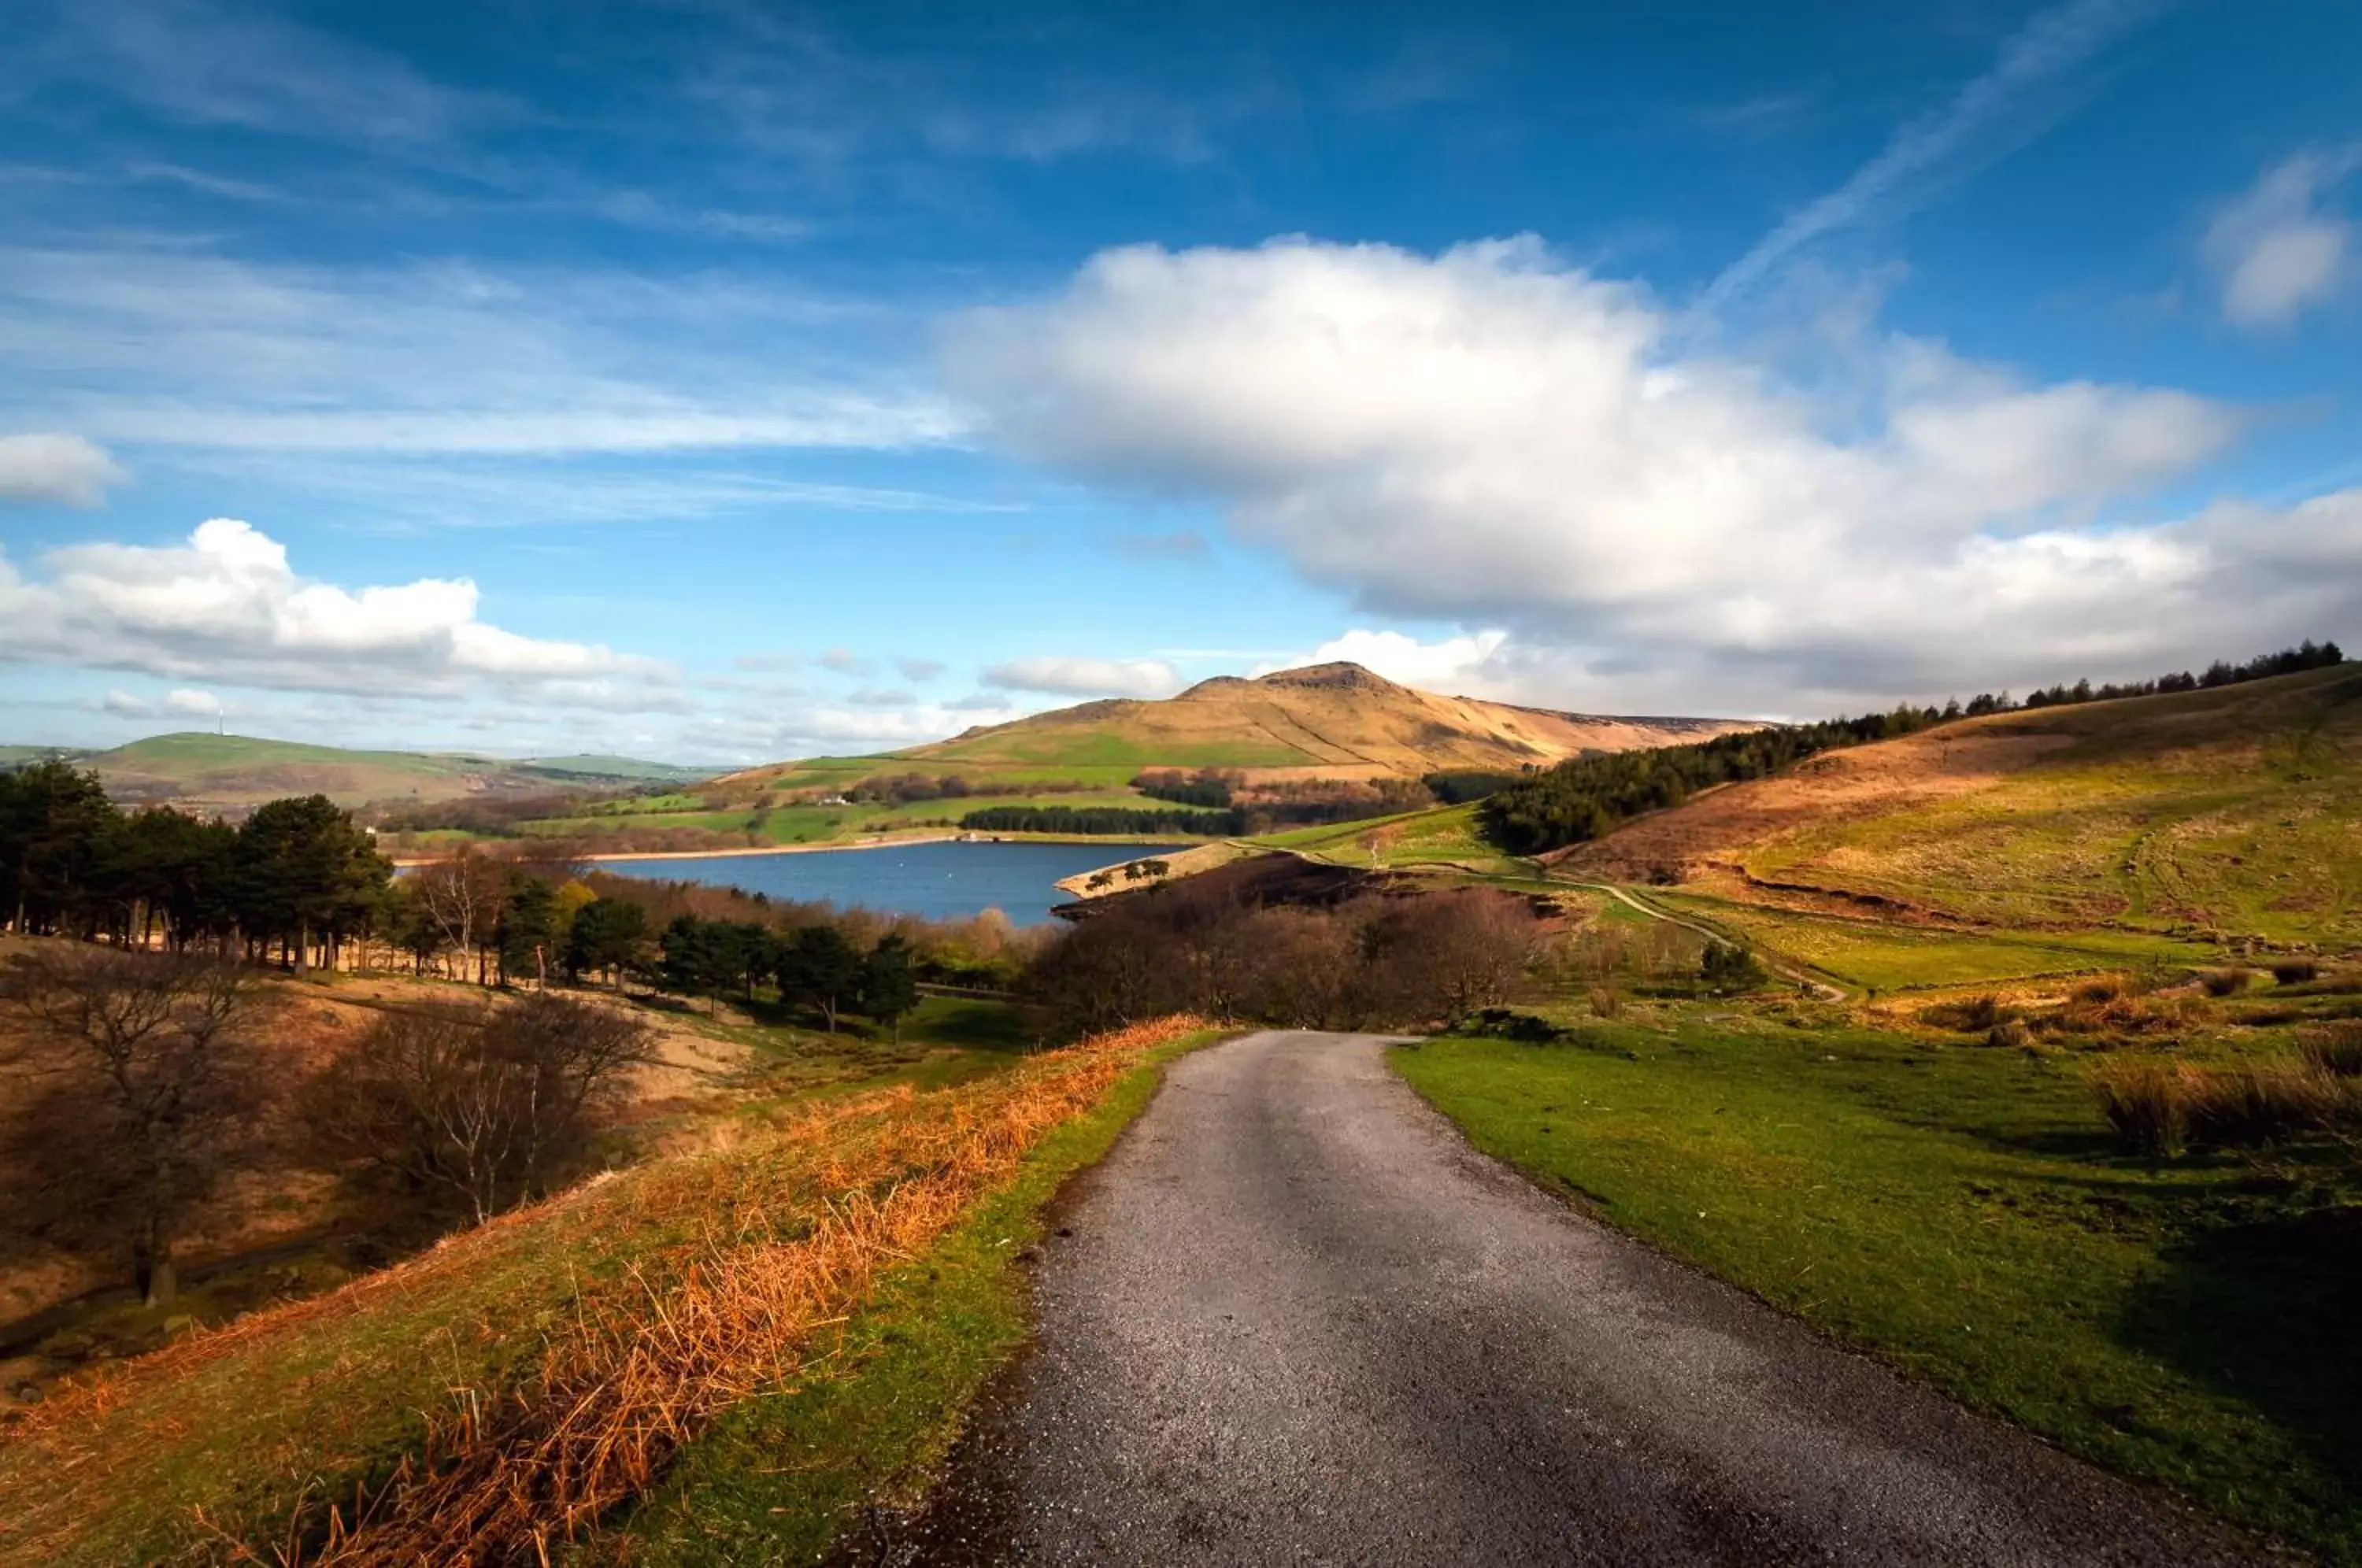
[407, 861]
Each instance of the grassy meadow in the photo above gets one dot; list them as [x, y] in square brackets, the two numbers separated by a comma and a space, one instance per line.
[1962, 1211]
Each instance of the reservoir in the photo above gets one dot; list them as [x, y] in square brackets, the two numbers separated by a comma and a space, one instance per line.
[943, 881]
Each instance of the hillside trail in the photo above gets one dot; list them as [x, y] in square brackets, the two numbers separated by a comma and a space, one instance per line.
[1293, 1317]
[1786, 971]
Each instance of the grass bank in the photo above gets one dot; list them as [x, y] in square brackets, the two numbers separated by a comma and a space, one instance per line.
[506, 1391]
[873, 1410]
[1959, 1210]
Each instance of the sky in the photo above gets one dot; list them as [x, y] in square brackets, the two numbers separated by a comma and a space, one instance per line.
[718, 381]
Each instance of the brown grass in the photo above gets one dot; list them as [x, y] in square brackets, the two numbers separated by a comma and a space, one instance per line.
[2160, 1108]
[2333, 1048]
[774, 1240]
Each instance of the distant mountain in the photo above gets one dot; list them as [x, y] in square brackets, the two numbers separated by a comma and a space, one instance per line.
[1337, 720]
[1327, 721]
[231, 773]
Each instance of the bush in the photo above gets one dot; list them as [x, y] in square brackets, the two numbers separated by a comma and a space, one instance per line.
[1606, 1002]
[1728, 969]
[2335, 1049]
[2103, 988]
[1526, 1028]
[2225, 982]
[2295, 971]
[2011, 1032]
[2146, 1105]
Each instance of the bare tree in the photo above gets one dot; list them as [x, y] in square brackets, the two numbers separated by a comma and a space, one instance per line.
[463, 896]
[146, 1062]
[483, 1105]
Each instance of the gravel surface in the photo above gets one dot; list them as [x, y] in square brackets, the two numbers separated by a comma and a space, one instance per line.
[1292, 1318]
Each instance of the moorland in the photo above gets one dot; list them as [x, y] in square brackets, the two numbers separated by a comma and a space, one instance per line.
[2015, 1044]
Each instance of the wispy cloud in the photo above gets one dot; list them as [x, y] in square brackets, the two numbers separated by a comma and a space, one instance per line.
[2279, 247]
[188, 349]
[1986, 111]
[208, 64]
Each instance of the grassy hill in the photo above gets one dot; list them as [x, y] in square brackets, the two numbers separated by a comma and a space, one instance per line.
[232, 772]
[1332, 722]
[1327, 720]
[2222, 815]
[1334, 718]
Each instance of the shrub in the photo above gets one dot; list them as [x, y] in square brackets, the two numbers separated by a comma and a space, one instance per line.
[2011, 1032]
[2335, 1049]
[2295, 971]
[1507, 1025]
[1971, 1017]
[2225, 982]
[2145, 1102]
[2101, 988]
[1729, 969]
[1606, 1002]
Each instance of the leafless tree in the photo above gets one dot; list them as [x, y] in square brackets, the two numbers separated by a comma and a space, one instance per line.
[463, 896]
[485, 1105]
[143, 1081]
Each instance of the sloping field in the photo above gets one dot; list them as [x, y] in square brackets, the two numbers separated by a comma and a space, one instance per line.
[231, 772]
[2209, 815]
[502, 1394]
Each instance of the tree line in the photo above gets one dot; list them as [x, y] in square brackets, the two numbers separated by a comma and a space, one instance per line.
[1586, 798]
[296, 879]
[1111, 821]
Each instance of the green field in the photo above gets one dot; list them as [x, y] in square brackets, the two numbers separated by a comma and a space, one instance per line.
[1891, 957]
[1959, 1210]
[1442, 835]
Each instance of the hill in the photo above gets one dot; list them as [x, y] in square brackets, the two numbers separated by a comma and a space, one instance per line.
[232, 773]
[1327, 721]
[2232, 814]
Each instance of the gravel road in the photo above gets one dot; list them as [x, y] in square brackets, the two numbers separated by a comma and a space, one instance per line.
[1292, 1318]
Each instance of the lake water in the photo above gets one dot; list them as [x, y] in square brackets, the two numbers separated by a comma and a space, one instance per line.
[945, 880]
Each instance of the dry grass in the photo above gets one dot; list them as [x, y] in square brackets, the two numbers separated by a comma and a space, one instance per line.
[754, 1247]
[2333, 1048]
[2160, 1108]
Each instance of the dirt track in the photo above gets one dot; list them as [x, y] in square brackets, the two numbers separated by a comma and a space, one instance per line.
[1292, 1318]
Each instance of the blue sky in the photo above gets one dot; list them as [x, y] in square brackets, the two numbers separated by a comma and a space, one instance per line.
[724, 380]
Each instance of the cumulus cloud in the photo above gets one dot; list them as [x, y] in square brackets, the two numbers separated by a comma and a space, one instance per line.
[1490, 439]
[1085, 676]
[66, 469]
[227, 606]
[844, 662]
[1451, 665]
[920, 671]
[2279, 247]
[180, 702]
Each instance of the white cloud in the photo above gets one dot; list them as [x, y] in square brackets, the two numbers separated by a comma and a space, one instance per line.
[1490, 439]
[1085, 676]
[66, 469]
[180, 702]
[2278, 249]
[1450, 665]
[227, 606]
